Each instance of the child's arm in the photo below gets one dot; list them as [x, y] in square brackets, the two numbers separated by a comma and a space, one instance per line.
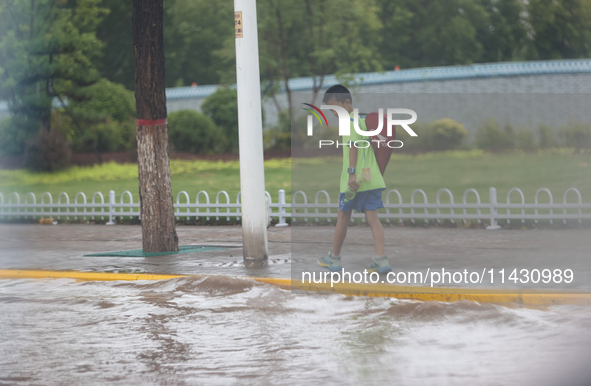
[353, 185]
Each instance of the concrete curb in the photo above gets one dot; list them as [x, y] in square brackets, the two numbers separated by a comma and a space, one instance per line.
[381, 290]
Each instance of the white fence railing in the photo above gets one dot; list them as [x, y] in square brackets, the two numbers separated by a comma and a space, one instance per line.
[300, 209]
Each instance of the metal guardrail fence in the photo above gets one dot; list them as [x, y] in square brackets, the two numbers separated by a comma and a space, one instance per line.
[298, 211]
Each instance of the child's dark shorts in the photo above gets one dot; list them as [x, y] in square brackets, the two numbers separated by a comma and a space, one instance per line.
[368, 200]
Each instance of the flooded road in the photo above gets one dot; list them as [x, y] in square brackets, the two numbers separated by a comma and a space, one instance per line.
[220, 330]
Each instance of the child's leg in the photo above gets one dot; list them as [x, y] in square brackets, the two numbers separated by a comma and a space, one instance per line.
[377, 231]
[340, 231]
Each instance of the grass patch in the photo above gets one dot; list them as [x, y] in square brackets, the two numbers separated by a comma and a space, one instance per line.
[556, 170]
[189, 176]
[460, 170]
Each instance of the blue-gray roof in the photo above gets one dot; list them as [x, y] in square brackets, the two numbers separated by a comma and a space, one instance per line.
[413, 75]
[190, 92]
[421, 74]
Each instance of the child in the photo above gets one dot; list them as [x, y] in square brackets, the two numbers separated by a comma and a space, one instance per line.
[359, 163]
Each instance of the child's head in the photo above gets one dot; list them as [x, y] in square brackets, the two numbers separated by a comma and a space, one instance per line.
[338, 95]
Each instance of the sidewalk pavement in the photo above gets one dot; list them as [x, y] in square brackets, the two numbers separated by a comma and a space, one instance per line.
[295, 249]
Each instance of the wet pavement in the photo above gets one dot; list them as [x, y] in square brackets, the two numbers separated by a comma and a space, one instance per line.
[295, 249]
[456, 250]
[62, 247]
[218, 330]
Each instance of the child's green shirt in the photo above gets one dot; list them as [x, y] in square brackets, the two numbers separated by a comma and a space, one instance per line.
[366, 159]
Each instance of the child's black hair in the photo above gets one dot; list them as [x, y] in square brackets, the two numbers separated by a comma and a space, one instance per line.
[338, 92]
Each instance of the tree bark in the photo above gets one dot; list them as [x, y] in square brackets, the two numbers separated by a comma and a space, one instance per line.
[156, 205]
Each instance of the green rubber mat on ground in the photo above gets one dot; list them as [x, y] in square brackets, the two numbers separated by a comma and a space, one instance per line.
[141, 253]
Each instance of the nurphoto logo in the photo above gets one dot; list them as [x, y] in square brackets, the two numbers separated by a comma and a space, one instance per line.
[379, 133]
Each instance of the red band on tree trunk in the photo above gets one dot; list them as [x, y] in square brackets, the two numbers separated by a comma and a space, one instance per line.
[150, 122]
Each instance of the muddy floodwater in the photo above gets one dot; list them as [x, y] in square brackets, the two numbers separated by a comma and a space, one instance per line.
[221, 330]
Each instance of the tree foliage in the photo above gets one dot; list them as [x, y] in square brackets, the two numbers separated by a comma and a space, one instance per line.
[560, 29]
[53, 53]
[315, 38]
[115, 32]
[194, 32]
[106, 122]
[48, 50]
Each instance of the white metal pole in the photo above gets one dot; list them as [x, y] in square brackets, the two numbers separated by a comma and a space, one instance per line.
[250, 132]
[493, 210]
[111, 208]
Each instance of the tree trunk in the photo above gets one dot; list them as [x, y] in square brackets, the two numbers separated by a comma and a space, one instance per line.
[156, 205]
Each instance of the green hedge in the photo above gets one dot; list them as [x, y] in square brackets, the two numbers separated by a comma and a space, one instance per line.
[443, 134]
[446, 134]
[222, 108]
[491, 136]
[108, 100]
[576, 135]
[547, 137]
[194, 132]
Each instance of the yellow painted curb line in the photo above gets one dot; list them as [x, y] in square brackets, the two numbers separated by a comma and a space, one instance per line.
[381, 290]
[449, 295]
[90, 276]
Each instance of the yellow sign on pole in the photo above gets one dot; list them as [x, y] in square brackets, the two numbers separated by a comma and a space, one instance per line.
[238, 30]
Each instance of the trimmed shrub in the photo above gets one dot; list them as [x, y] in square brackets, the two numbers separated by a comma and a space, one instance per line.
[577, 135]
[526, 140]
[421, 142]
[107, 135]
[193, 132]
[547, 137]
[114, 136]
[443, 134]
[491, 137]
[107, 100]
[446, 134]
[47, 151]
[276, 140]
[222, 107]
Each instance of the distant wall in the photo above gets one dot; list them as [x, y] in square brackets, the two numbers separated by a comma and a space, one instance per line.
[464, 86]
